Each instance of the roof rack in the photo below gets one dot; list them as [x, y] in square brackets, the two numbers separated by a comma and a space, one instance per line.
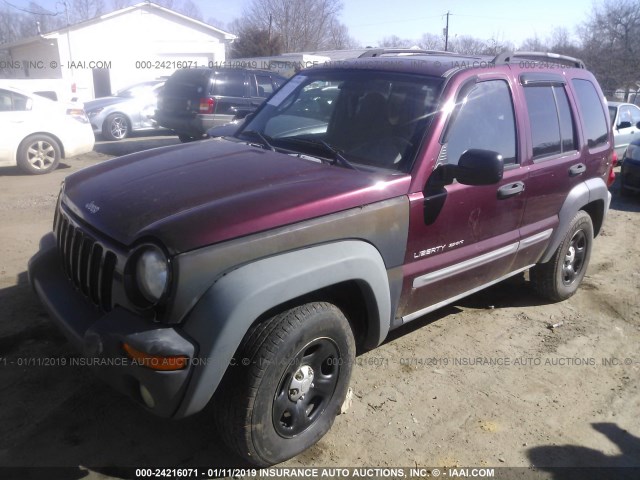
[506, 57]
[378, 52]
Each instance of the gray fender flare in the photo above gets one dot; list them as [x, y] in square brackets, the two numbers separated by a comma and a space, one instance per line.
[222, 317]
[582, 194]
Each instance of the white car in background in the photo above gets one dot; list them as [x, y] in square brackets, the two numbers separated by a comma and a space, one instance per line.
[38, 132]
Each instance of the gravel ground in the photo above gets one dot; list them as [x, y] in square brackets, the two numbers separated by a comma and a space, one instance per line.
[482, 383]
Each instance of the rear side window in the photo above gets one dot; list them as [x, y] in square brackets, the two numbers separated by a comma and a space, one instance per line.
[188, 83]
[486, 121]
[550, 118]
[13, 102]
[229, 84]
[595, 122]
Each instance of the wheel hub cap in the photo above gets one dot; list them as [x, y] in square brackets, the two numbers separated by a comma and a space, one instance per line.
[571, 255]
[301, 383]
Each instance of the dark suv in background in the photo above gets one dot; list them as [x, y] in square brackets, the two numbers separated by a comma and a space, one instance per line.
[250, 269]
[195, 100]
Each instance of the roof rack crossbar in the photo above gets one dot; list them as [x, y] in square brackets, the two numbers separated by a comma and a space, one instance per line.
[506, 57]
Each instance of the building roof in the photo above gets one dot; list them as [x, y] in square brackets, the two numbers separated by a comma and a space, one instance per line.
[150, 6]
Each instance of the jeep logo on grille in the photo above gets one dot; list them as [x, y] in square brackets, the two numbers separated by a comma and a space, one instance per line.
[92, 207]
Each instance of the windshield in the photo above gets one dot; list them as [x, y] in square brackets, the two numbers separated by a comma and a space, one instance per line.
[365, 118]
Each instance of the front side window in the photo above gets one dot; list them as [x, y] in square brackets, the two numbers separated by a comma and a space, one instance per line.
[265, 87]
[485, 120]
[595, 122]
[374, 120]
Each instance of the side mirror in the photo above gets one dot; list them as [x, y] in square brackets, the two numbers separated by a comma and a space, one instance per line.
[479, 167]
[624, 125]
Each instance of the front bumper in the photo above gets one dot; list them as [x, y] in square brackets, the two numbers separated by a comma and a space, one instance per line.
[99, 336]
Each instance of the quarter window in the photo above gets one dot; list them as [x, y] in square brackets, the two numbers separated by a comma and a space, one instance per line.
[485, 121]
[595, 123]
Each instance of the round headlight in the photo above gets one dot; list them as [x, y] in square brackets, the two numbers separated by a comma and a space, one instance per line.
[152, 274]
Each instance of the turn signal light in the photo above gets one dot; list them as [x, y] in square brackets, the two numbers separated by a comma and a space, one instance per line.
[156, 362]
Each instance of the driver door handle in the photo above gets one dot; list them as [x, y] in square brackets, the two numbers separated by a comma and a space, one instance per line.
[510, 189]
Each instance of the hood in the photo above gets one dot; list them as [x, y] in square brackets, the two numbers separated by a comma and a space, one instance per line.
[103, 102]
[192, 195]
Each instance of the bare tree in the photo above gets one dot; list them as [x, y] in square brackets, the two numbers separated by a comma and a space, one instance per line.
[339, 38]
[534, 44]
[254, 42]
[431, 41]
[81, 10]
[302, 25]
[189, 9]
[170, 4]
[214, 22]
[395, 41]
[610, 44]
[467, 45]
[118, 4]
[497, 44]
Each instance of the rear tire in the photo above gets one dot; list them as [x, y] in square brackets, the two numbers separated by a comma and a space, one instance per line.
[38, 154]
[287, 384]
[560, 277]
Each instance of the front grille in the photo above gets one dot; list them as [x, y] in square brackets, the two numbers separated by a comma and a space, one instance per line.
[88, 264]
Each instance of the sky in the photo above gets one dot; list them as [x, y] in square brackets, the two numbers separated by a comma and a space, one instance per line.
[369, 21]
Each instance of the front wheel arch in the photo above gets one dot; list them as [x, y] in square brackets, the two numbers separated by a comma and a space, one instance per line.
[221, 318]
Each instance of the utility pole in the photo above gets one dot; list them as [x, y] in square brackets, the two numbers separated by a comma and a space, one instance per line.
[270, 21]
[446, 34]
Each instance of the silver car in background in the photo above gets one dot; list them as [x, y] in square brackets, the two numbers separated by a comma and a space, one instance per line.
[625, 122]
[129, 110]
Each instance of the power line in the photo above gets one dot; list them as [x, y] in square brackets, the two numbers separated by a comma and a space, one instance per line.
[395, 21]
[30, 11]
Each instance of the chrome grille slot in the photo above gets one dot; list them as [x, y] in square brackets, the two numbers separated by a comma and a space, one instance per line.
[88, 264]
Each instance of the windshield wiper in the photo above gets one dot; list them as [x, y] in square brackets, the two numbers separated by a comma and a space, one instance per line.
[261, 137]
[337, 155]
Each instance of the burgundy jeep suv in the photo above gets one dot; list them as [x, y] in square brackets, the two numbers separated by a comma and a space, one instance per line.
[247, 270]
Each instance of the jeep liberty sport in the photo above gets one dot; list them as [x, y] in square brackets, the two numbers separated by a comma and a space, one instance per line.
[248, 270]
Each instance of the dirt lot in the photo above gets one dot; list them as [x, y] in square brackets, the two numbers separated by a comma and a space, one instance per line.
[483, 383]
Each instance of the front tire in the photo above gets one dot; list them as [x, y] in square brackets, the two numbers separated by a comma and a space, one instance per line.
[116, 127]
[287, 384]
[38, 154]
[560, 277]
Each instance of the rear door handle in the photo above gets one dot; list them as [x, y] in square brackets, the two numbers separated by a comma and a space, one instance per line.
[577, 169]
[510, 189]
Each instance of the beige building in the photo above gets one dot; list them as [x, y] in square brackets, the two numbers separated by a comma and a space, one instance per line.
[109, 52]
